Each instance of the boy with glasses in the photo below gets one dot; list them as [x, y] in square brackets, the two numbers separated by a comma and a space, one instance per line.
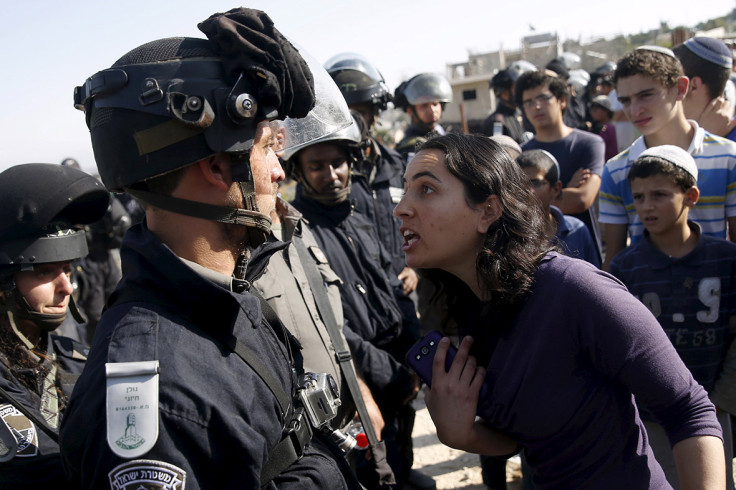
[543, 98]
[570, 233]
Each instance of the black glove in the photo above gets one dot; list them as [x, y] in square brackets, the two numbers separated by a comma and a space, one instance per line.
[249, 43]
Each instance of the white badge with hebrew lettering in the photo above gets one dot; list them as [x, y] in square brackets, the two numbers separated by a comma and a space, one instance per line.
[132, 407]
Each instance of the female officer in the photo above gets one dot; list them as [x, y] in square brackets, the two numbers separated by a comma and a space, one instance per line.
[41, 204]
[564, 345]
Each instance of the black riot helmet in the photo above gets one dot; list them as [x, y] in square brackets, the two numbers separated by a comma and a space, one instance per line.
[358, 80]
[175, 101]
[501, 81]
[42, 204]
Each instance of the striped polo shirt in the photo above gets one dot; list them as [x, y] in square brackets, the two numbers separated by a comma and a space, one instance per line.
[716, 161]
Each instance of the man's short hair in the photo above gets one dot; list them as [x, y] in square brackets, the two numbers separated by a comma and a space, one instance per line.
[714, 75]
[533, 79]
[658, 65]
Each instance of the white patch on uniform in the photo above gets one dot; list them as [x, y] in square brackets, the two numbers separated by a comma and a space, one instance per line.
[148, 475]
[396, 194]
[132, 407]
[318, 255]
[22, 429]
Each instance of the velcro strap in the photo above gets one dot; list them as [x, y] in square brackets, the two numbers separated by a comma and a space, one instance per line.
[289, 450]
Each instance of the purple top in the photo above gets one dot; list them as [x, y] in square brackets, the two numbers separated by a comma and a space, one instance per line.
[563, 375]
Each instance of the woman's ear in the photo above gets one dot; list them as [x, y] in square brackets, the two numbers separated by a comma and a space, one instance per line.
[491, 211]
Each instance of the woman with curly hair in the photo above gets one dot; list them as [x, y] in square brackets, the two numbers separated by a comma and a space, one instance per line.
[562, 346]
[42, 204]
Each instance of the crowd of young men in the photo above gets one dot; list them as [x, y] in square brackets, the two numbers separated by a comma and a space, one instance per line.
[248, 335]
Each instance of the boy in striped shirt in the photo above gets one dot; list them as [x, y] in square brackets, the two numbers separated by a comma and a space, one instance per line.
[651, 86]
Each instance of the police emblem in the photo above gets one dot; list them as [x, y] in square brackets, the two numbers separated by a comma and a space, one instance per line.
[22, 429]
[132, 407]
[145, 474]
[130, 439]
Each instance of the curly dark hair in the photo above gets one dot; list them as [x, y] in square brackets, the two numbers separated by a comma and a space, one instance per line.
[533, 79]
[663, 68]
[514, 243]
[29, 366]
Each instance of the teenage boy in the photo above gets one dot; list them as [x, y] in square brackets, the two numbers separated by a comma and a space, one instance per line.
[570, 233]
[579, 153]
[651, 87]
[686, 278]
[707, 63]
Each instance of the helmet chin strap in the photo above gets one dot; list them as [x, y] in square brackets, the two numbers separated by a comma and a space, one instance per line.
[20, 309]
[223, 214]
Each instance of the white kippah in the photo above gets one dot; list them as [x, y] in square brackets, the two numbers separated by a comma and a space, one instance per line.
[657, 49]
[675, 155]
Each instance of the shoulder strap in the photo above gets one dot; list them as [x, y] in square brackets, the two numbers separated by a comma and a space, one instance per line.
[297, 435]
[342, 352]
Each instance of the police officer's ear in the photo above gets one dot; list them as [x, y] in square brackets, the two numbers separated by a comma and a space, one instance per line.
[216, 171]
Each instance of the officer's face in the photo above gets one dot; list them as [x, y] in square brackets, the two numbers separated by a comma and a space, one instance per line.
[47, 287]
[325, 167]
[429, 113]
[267, 171]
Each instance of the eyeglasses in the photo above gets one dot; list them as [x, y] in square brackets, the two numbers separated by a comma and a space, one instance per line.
[536, 183]
[541, 99]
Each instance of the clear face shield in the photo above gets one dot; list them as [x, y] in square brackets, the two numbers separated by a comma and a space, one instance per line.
[329, 115]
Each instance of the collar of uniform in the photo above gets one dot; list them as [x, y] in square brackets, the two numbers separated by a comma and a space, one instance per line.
[225, 282]
[290, 219]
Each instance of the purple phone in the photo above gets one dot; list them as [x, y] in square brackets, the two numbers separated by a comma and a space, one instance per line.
[421, 354]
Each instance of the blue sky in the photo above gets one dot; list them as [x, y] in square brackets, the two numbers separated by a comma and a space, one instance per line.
[48, 47]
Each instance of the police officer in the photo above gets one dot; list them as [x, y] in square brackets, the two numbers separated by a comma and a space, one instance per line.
[423, 97]
[37, 367]
[97, 274]
[187, 385]
[506, 119]
[322, 170]
[377, 183]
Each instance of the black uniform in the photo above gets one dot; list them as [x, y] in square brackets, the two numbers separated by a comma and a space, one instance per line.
[37, 463]
[510, 120]
[218, 421]
[372, 314]
[377, 189]
[414, 136]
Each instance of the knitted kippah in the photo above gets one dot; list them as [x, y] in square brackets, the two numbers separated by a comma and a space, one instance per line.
[675, 155]
[710, 49]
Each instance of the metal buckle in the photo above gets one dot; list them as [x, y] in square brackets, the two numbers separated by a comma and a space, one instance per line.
[300, 432]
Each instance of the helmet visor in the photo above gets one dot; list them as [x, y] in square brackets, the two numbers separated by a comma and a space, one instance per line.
[329, 115]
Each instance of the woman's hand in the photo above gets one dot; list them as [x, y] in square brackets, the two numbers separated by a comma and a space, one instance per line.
[409, 279]
[453, 399]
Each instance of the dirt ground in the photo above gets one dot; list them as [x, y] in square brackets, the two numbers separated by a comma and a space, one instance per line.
[449, 467]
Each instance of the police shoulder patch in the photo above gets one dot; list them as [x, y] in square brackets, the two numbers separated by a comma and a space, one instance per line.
[22, 429]
[147, 474]
[132, 407]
